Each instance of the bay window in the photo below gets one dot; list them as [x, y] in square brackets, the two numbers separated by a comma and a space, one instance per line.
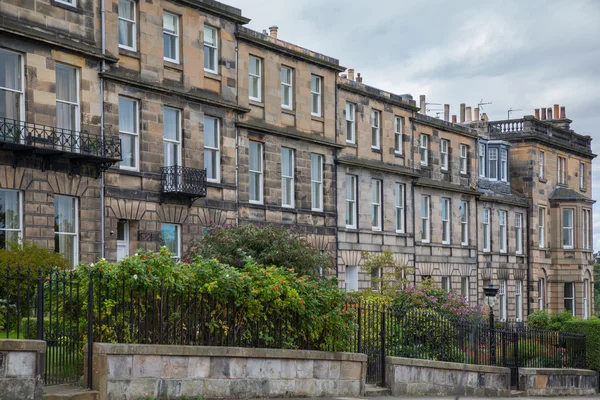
[493, 164]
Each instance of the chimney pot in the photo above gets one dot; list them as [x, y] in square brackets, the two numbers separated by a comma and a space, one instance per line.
[484, 117]
[543, 114]
[469, 115]
[537, 113]
[344, 76]
[563, 112]
[422, 100]
[447, 112]
[351, 74]
[549, 113]
[273, 30]
[462, 113]
[476, 117]
[454, 119]
[358, 77]
[556, 111]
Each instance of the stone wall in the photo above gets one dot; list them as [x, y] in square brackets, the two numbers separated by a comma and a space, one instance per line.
[557, 382]
[176, 372]
[21, 369]
[412, 377]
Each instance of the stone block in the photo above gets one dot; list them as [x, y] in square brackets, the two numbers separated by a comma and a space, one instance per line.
[168, 388]
[272, 369]
[119, 367]
[334, 370]
[305, 387]
[192, 388]
[174, 367]
[237, 368]
[217, 388]
[219, 367]
[321, 369]
[18, 388]
[20, 363]
[146, 366]
[254, 367]
[198, 367]
[324, 387]
[304, 369]
[288, 369]
[347, 388]
[281, 387]
[350, 370]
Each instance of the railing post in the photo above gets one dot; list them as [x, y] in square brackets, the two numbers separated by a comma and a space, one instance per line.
[40, 306]
[492, 339]
[90, 332]
[359, 347]
[383, 345]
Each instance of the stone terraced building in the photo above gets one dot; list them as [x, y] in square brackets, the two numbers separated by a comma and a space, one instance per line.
[148, 123]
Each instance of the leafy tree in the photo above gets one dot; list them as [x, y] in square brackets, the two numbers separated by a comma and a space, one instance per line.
[388, 275]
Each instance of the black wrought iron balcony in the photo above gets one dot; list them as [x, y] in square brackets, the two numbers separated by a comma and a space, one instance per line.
[183, 182]
[49, 141]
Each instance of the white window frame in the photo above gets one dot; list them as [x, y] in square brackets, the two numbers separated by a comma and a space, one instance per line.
[502, 300]
[519, 233]
[76, 104]
[20, 211]
[259, 173]
[215, 150]
[351, 211]
[481, 154]
[519, 300]
[125, 241]
[400, 200]
[351, 272]
[561, 172]
[585, 299]
[398, 133]
[446, 283]
[464, 223]
[316, 182]
[21, 92]
[463, 159]
[444, 144]
[72, 3]
[425, 219]
[569, 299]
[424, 149]
[464, 287]
[74, 234]
[315, 93]
[446, 217]
[581, 176]
[376, 200]
[585, 227]
[493, 161]
[541, 162]
[258, 78]
[287, 102]
[212, 47]
[567, 231]
[177, 255]
[487, 232]
[504, 165]
[135, 135]
[176, 143]
[375, 129]
[350, 122]
[174, 34]
[133, 22]
[542, 227]
[503, 231]
[541, 293]
[287, 180]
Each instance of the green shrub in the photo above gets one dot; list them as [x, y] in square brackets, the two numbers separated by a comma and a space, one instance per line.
[549, 321]
[591, 328]
[31, 324]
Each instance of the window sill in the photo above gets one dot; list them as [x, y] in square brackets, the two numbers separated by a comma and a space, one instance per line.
[66, 6]
[220, 185]
[317, 118]
[445, 171]
[464, 175]
[351, 144]
[288, 111]
[256, 103]
[542, 180]
[173, 65]
[398, 155]
[584, 190]
[375, 149]
[130, 53]
[212, 75]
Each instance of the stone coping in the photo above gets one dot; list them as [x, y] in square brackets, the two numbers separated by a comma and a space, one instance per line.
[556, 371]
[39, 346]
[414, 362]
[217, 351]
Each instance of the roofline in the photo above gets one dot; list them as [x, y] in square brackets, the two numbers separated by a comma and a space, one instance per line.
[444, 125]
[350, 88]
[201, 5]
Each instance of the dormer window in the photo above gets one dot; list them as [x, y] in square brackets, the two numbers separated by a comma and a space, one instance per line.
[504, 165]
[481, 160]
[493, 164]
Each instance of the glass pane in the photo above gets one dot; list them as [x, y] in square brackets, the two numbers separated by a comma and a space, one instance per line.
[126, 33]
[285, 95]
[315, 84]
[444, 209]
[210, 36]
[209, 58]
[10, 70]
[171, 124]
[65, 116]
[128, 149]
[169, 22]
[254, 87]
[171, 154]
[210, 163]
[315, 170]
[170, 239]
[127, 115]
[424, 206]
[8, 237]
[316, 99]
[10, 105]
[10, 210]
[255, 156]
[287, 191]
[350, 188]
[121, 228]
[286, 75]
[66, 83]
[567, 218]
[64, 214]
[286, 162]
[170, 46]
[254, 66]
[254, 186]
[65, 245]
[126, 9]
[349, 213]
[210, 132]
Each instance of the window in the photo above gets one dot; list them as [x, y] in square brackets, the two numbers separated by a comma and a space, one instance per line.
[561, 170]
[502, 222]
[255, 79]
[129, 132]
[12, 95]
[398, 129]
[171, 37]
[541, 293]
[464, 223]
[351, 201]
[519, 233]
[487, 237]
[502, 296]
[72, 3]
[376, 204]
[315, 95]
[446, 285]
[542, 227]
[586, 243]
[444, 154]
[255, 168]
[424, 149]
[287, 177]
[375, 129]
[376, 275]
[400, 193]
[287, 88]
[581, 176]
[570, 297]
[586, 288]
[211, 49]
[425, 223]
[463, 159]
[504, 165]
[212, 154]
[316, 181]
[122, 239]
[350, 122]
[127, 27]
[10, 217]
[66, 227]
[172, 137]
[351, 278]
[519, 300]
[541, 165]
[567, 230]
[464, 287]
[493, 167]
[67, 98]
[171, 238]
[482, 160]
[446, 221]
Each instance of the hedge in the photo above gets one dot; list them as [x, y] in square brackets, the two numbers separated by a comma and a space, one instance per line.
[591, 328]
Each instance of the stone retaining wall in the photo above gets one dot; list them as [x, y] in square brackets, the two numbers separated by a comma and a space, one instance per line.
[21, 369]
[413, 377]
[131, 372]
[557, 382]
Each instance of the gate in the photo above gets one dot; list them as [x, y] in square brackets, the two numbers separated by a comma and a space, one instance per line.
[509, 352]
[370, 339]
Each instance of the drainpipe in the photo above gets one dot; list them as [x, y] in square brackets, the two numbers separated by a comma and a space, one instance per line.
[477, 244]
[412, 195]
[335, 182]
[237, 131]
[528, 262]
[102, 182]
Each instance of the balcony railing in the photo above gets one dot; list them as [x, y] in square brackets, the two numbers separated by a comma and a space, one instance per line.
[46, 140]
[183, 182]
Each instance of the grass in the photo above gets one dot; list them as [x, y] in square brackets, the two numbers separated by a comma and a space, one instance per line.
[11, 335]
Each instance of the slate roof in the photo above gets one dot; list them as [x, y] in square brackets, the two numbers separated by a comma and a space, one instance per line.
[565, 194]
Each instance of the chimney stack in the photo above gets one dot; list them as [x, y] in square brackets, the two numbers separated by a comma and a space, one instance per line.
[563, 112]
[358, 78]
[549, 113]
[344, 76]
[476, 118]
[351, 74]
[537, 113]
[469, 115]
[556, 111]
[462, 113]
[446, 112]
[543, 114]
[454, 119]
[273, 30]
[422, 104]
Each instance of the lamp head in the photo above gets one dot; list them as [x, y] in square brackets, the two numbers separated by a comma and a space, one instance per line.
[490, 293]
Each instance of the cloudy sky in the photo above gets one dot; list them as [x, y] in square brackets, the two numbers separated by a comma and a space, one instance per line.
[515, 54]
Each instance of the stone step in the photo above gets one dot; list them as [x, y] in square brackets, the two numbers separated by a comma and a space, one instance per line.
[69, 392]
[376, 391]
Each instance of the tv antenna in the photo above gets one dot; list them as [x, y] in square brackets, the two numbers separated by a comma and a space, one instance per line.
[510, 110]
[437, 111]
[481, 104]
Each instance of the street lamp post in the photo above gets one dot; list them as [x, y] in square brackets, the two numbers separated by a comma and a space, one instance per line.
[490, 293]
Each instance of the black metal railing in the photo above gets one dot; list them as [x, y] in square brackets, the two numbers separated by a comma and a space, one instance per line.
[23, 135]
[183, 181]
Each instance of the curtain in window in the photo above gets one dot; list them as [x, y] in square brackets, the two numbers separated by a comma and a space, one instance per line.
[10, 78]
